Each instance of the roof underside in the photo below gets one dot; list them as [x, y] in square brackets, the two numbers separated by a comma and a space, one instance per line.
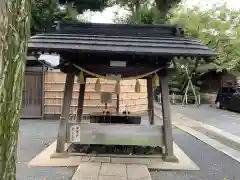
[150, 40]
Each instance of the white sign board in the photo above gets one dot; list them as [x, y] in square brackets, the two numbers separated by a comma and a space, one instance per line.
[118, 63]
[52, 59]
[75, 133]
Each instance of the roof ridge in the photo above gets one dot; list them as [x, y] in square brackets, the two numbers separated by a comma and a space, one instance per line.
[118, 29]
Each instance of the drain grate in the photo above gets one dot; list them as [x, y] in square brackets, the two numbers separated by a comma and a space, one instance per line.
[116, 149]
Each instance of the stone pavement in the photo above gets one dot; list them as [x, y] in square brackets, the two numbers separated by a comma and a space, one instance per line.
[222, 119]
[107, 171]
[219, 139]
[46, 159]
[36, 135]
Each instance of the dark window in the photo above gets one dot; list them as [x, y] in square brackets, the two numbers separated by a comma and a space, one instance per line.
[224, 90]
[238, 89]
[232, 90]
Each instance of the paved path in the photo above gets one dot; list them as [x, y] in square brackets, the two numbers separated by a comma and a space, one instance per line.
[221, 140]
[107, 171]
[213, 164]
[35, 135]
[222, 119]
[221, 152]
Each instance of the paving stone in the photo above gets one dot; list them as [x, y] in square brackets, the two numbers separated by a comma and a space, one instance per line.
[112, 178]
[144, 178]
[100, 159]
[85, 159]
[87, 171]
[138, 172]
[108, 169]
[156, 164]
[131, 160]
[85, 178]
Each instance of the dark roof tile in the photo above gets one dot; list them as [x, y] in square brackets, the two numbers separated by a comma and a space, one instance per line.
[167, 40]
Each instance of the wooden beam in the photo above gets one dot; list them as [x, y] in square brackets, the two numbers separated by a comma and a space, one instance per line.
[65, 112]
[167, 125]
[105, 69]
[118, 104]
[81, 100]
[150, 100]
[97, 58]
[42, 93]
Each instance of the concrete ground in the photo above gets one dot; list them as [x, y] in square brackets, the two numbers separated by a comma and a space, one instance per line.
[222, 119]
[35, 135]
[213, 164]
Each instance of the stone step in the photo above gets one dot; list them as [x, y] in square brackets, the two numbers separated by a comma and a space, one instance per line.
[108, 171]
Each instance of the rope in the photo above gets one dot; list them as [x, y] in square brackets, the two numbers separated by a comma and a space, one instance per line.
[115, 79]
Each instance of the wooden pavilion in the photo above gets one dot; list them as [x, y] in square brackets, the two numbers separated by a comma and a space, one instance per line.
[131, 51]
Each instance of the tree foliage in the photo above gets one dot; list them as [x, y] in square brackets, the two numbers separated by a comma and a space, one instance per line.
[132, 5]
[83, 5]
[144, 15]
[44, 13]
[147, 12]
[218, 28]
[164, 6]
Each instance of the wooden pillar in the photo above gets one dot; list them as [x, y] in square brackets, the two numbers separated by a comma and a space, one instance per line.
[150, 100]
[81, 100]
[118, 104]
[65, 113]
[167, 125]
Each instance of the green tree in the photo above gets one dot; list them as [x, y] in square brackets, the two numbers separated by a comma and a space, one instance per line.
[164, 8]
[15, 30]
[15, 18]
[144, 15]
[82, 5]
[218, 28]
[131, 5]
[146, 12]
[45, 12]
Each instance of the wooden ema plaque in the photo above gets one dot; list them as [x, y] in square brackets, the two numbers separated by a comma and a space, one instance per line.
[106, 97]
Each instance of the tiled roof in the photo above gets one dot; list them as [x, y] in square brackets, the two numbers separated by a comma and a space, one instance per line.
[163, 40]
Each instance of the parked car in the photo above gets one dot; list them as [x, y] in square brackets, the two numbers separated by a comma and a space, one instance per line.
[229, 98]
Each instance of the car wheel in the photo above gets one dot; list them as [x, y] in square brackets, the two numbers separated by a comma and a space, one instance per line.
[218, 105]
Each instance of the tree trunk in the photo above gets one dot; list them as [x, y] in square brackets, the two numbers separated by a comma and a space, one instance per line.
[15, 30]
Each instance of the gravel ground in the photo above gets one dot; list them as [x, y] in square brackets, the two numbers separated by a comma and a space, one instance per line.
[214, 165]
[35, 135]
[223, 119]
